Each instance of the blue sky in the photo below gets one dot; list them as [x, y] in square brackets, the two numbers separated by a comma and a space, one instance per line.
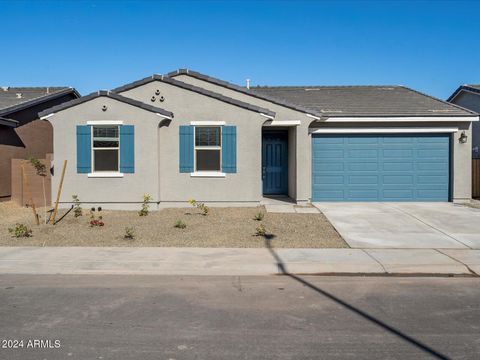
[430, 46]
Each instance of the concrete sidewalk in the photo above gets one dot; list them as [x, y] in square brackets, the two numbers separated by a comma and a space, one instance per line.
[235, 261]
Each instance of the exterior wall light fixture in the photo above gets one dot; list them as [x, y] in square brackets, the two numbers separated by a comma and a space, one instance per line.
[463, 137]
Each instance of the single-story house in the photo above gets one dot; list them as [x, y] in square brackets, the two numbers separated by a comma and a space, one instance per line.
[22, 133]
[468, 96]
[187, 135]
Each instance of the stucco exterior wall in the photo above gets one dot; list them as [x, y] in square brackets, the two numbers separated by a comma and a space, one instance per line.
[106, 192]
[302, 175]
[244, 186]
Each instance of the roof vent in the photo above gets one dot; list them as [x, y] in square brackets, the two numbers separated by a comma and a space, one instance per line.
[248, 83]
[5, 88]
[19, 95]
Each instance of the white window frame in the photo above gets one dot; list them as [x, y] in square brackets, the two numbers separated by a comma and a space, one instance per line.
[206, 173]
[105, 173]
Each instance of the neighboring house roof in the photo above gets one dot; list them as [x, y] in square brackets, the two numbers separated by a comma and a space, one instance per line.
[13, 99]
[108, 94]
[8, 122]
[364, 101]
[467, 87]
[241, 89]
[196, 89]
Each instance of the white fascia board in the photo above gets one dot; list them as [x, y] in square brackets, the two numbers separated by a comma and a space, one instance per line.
[207, 123]
[164, 116]
[267, 116]
[47, 116]
[405, 119]
[383, 130]
[284, 123]
[105, 122]
[313, 116]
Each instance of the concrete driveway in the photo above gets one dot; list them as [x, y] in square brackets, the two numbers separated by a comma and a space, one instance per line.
[405, 225]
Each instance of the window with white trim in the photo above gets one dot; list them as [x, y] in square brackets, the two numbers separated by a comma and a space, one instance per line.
[208, 148]
[105, 148]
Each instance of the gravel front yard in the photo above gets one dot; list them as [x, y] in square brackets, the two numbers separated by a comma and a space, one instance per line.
[223, 227]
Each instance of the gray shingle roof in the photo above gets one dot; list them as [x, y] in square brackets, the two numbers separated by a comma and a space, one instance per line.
[196, 89]
[468, 87]
[108, 94]
[16, 98]
[364, 101]
[241, 89]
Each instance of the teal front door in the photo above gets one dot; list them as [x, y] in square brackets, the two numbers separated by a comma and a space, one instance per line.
[275, 163]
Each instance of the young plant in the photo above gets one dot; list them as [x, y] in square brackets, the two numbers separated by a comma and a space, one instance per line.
[96, 221]
[145, 207]
[20, 230]
[259, 216]
[77, 209]
[129, 233]
[201, 206]
[261, 231]
[180, 224]
[41, 171]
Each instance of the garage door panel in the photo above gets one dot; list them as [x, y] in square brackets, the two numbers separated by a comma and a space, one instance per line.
[400, 167]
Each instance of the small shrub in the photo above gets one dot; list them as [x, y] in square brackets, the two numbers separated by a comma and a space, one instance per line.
[261, 231]
[96, 221]
[259, 216]
[20, 230]
[145, 207]
[129, 233]
[77, 209]
[180, 224]
[201, 206]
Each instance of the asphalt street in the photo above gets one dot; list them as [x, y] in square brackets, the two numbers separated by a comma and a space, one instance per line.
[264, 317]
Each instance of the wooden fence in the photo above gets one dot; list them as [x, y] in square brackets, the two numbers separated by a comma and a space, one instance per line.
[476, 178]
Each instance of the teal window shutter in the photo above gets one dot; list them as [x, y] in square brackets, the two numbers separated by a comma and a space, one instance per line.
[127, 149]
[229, 149]
[186, 148]
[84, 149]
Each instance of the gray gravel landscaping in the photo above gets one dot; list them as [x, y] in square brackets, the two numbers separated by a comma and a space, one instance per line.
[222, 227]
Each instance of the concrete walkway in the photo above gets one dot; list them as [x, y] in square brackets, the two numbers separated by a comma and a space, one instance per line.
[405, 225]
[235, 261]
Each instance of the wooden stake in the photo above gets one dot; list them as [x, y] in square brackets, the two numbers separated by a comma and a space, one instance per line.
[29, 194]
[52, 221]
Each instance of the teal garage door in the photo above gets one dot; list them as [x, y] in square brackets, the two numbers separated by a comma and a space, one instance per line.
[400, 167]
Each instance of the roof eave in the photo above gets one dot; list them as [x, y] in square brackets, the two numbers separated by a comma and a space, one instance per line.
[8, 122]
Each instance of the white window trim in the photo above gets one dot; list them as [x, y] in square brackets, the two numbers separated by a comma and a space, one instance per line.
[383, 130]
[105, 174]
[195, 148]
[208, 174]
[207, 123]
[105, 122]
[108, 173]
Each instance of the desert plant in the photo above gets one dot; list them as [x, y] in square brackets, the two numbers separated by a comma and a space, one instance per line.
[95, 221]
[77, 209]
[259, 216]
[201, 206]
[20, 230]
[145, 207]
[180, 224]
[261, 231]
[129, 233]
[41, 171]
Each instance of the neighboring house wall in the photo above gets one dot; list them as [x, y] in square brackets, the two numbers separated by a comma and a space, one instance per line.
[244, 186]
[129, 189]
[471, 101]
[32, 137]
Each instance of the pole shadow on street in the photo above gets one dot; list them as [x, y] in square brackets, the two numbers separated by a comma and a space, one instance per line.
[282, 268]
